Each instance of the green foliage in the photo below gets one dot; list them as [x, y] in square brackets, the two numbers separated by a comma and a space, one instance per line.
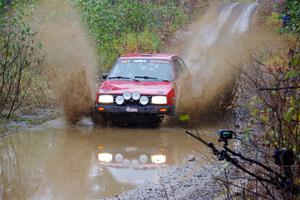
[145, 41]
[274, 19]
[129, 25]
[3, 4]
[294, 10]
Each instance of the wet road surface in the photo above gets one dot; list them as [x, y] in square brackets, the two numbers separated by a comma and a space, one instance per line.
[55, 161]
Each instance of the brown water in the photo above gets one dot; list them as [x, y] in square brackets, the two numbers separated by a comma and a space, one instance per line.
[56, 161]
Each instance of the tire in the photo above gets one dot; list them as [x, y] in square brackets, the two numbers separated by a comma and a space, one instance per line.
[98, 119]
[155, 121]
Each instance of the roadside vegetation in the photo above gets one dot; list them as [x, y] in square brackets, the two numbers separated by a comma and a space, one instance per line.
[268, 114]
[19, 65]
[22, 86]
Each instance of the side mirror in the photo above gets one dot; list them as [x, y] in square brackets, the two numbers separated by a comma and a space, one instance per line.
[104, 76]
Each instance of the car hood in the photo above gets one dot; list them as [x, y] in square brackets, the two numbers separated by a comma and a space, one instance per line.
[147, 88]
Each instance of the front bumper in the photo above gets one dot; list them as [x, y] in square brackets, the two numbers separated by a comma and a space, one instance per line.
[150, 109]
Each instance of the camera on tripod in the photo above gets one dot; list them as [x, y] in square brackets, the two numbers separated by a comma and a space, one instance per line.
[226, 134]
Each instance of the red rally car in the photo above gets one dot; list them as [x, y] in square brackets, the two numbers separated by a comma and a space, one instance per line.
[140, 86]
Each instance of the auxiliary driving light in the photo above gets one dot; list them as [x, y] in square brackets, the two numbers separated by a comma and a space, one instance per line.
[119, 100]
[105, 99]
[144, 100]
[136, 96]
[127, 95]
[119, 157]
[143, 159]
[159, 100]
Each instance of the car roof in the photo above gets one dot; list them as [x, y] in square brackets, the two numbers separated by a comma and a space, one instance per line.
[146, 55]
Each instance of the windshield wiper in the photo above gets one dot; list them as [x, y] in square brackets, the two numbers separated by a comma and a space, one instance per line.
[119, 77]
[153, 78]
[122, 77]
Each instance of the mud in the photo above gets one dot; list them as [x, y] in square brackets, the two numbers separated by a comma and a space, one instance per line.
[57, 161]
[70, 59]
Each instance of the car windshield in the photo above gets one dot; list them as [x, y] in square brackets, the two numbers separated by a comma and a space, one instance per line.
[142, 69]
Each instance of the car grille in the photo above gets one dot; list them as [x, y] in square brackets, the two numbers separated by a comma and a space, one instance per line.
[132, 102]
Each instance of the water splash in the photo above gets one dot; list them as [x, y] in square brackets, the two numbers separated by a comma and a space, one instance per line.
[70, 59]
[242, 24]
[211, 32]
[214, 57]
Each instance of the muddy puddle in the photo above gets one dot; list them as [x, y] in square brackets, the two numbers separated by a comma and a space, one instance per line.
[55, 161]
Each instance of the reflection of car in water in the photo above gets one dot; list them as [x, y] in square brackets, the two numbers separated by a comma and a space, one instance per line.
[140, 86]
[132, 165]
[133, 157]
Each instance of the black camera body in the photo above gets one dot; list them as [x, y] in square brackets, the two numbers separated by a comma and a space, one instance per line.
[226, 134]
[284, 157]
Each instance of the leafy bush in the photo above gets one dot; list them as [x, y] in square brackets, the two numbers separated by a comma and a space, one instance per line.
[3, 3]
[294, 9]
[126, 26]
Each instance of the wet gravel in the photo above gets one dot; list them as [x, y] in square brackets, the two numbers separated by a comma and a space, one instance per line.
[23, 121]
[190, 181]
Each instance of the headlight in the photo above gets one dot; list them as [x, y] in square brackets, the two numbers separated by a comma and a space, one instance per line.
[105, 99]
[159, 100]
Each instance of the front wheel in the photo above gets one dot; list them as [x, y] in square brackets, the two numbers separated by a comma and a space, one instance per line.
[156, 121]
[98, 119]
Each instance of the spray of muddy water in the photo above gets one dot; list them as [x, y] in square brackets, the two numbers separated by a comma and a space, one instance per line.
[70, 60]
[224, 39]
